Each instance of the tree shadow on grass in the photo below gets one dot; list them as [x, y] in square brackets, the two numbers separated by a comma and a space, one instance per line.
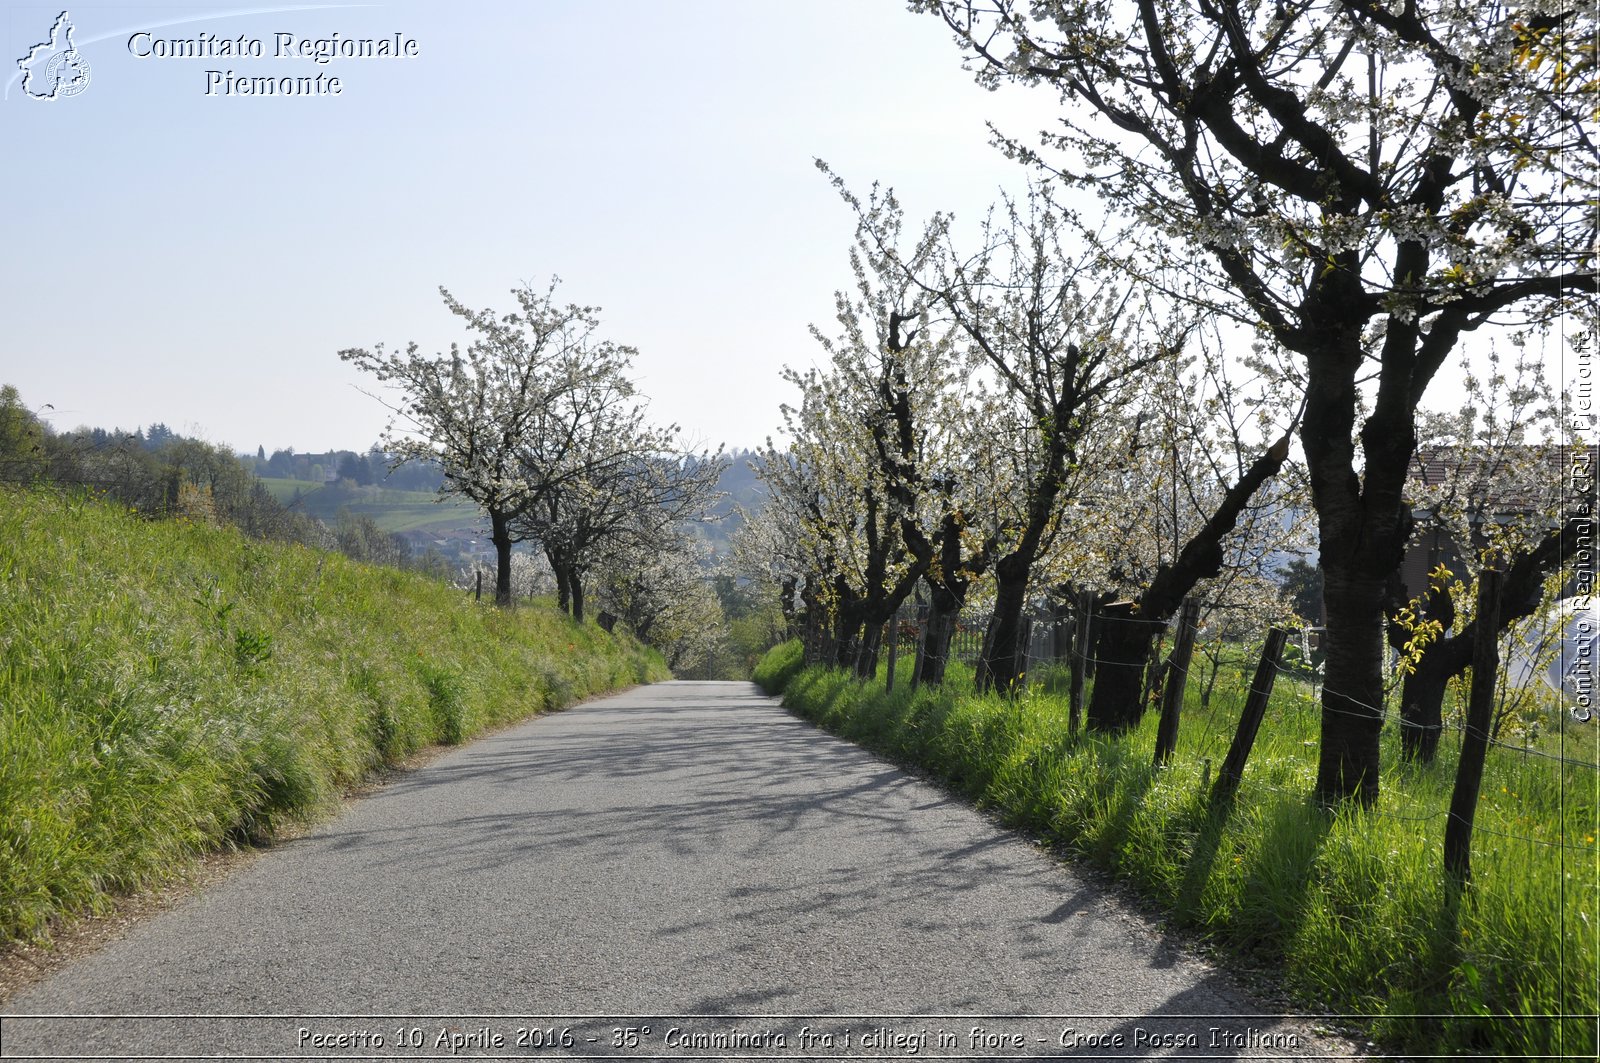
[1444, 1002]
[1197, 871]
[1275, 876]
[1130, 778]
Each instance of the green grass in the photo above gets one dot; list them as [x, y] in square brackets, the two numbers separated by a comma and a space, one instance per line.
[778, 666]
[167, 688]
[1349, 910]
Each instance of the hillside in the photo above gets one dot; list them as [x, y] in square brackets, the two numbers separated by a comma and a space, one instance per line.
[171, 687]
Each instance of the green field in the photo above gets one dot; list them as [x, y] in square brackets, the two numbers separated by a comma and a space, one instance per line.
[391, 511]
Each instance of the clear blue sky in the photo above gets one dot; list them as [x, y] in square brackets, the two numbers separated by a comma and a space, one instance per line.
[199, 260]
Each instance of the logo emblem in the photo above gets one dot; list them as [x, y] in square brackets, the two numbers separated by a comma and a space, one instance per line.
[54, 68]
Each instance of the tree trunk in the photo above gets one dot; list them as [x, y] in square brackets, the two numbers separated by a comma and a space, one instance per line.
[786, 606]
[1352, 697]
[1125, 637]
[1362, 526]
[563, 589]
[1153, 674]
[569, 583]
[879, 610]
[867, 654]
[947, 581]
[1215, 664]
[846, 640]
[1521, 591]
[819, 641]
[943, 612]
[999, 667]
[1121, 651]
[1422, 698]
[576, 581]
[814, 628]
[1475, 736]
[500, 536]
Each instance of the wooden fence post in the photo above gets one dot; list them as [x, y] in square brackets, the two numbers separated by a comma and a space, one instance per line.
[1177, 679]
[921, 644]
[1152, 670]
[980, 666]
[1024, 645]
[1255, 706]
[477, 595]
[1475, 737]
[1080, 660]
[894, 647]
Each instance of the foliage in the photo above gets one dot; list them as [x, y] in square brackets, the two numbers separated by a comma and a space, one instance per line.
[359, 538]
[1064, 346]
[376, 468]
[839, 523]
[22, 439]
[755, 625]
[1017, 416]
[537, 422]
[933, 445]
[625, 507]
[1301, 581]
[1364, 184]
[171, 687]
[161, 473]
[1496, 488]
[1419, 630]
[660, 587]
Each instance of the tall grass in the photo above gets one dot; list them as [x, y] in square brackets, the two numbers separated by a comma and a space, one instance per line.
[1350, 909]
[170, 687]
[778, 666]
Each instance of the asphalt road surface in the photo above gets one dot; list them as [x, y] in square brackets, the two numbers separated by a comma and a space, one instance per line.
[680, 871]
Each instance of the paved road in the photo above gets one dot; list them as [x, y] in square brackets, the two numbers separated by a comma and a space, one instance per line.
[680, 850]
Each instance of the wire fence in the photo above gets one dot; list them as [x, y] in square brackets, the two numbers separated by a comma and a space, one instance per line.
[1049, 646]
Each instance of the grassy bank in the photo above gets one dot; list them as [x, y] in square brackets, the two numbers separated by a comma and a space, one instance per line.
[168, 687]
[1349, 910]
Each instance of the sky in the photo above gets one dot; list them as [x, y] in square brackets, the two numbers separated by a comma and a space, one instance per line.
[186, 255]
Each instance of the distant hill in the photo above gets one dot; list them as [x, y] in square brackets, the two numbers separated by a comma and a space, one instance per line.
[406, 501]
[741, 488]
[390, 509]
[367, 469]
